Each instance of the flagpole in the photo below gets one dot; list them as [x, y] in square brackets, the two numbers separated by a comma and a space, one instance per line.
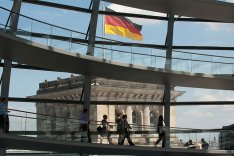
[103, 29]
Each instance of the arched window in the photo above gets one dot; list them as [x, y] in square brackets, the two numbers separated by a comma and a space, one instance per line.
[152, 119]
[134, 117]
[136, 120]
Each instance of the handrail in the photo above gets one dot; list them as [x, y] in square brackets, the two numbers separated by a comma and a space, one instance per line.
[83, 42]
[42, 114]
[69, 130]
[66, 117]
[202, 54]
[150, 130]
[17, 99]
[176, 58]
[165, 56]
[182, 129]
[58, 26]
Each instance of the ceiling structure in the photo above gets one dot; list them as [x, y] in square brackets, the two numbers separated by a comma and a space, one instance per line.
[202, 9]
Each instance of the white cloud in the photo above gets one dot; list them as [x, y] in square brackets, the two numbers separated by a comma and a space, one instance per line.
[197, 94]
[120, 8]
[214, 26]
[208, 97]
[227, 109]
[220, 96]
[226, 27]
[196, 113]
[209, 116]
[204, 117]
[231, 1]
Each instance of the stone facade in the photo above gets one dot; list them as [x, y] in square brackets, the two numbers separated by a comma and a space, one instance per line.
[102, 90]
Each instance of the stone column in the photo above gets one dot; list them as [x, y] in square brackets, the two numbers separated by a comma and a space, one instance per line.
[146, 116]
[129, 114]
[157, 113]
[146, 123]
[173, 116]
[111, 113]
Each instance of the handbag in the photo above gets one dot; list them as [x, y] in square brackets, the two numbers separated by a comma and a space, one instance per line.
[99, 129]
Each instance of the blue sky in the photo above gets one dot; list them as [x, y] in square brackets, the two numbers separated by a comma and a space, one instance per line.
[25, 83]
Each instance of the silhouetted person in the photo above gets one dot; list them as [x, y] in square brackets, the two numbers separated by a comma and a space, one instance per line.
[105, 128]
[4, 118]
[120, 128]
[190, 144]
[84, 125]
[161, 132]
[204, 144]
[126, 134]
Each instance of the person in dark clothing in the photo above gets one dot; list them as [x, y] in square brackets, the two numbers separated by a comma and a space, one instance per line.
[120, 128]
[189, 144]
[204, 144]
[4, 118]
[84, 125]
[106, 129]
[126, 134]
[161, 132]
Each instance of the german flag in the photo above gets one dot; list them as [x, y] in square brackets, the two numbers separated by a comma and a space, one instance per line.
[119, 25]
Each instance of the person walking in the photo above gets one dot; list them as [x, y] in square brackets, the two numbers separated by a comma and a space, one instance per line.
[190, 145]
[126, 134]
[161, 131]
[204, 144]
[120, 129]
[105, 129]
[4, 119]
[84, 125]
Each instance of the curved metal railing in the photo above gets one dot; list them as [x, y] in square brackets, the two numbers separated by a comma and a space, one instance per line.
[73, 41]
[66, 128]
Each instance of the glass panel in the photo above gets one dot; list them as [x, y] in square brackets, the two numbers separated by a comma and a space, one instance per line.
[202, 34]
[4, 14]
[52, 122]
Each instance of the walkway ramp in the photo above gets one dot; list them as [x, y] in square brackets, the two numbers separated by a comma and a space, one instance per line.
[30, 143]
[34, 54]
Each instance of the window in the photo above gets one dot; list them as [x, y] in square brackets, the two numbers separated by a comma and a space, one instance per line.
[136, 120]
[134, 117]
[152, 119]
